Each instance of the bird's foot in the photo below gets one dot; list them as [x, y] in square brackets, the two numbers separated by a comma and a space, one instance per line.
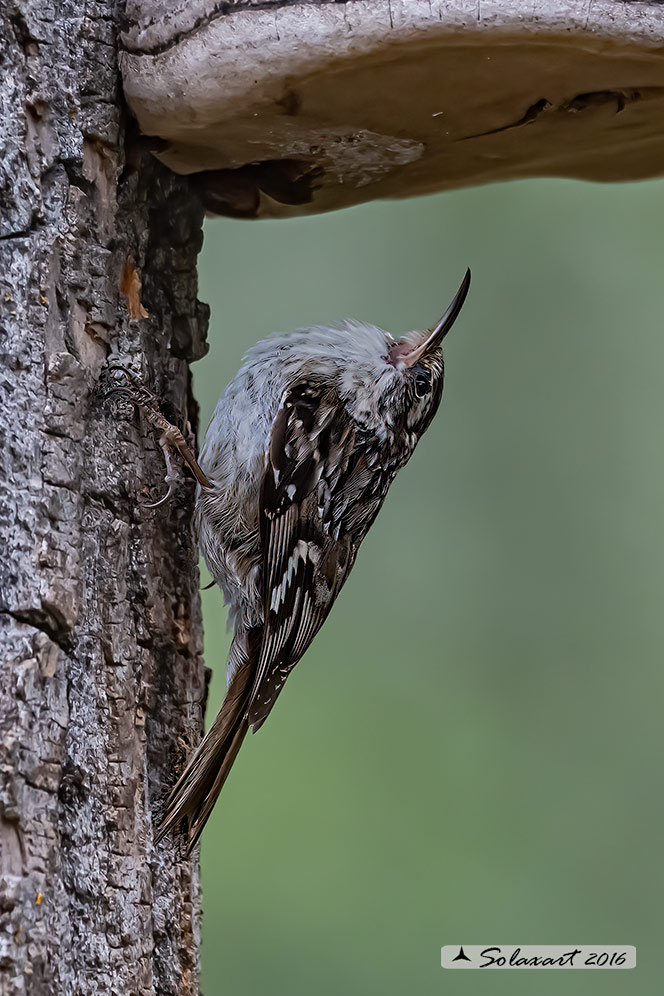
[124, 383]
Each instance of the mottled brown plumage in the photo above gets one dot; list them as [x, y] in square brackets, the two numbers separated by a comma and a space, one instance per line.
[300, 454]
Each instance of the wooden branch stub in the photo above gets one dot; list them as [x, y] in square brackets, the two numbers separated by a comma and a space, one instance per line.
[294, 108]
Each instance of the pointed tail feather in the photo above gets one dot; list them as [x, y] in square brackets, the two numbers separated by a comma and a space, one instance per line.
[193, 797]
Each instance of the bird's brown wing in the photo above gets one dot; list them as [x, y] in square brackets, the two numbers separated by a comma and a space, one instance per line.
[318, 500]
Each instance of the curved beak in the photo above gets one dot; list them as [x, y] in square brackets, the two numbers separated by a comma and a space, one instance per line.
[440, 330]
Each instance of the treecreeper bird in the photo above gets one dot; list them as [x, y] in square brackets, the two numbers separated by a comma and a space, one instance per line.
[296, 462]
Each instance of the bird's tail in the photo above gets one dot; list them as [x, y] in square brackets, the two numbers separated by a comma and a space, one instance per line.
[193, 797]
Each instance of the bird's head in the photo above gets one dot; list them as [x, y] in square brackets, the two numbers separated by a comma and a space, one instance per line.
[391, 388]
[400, 383]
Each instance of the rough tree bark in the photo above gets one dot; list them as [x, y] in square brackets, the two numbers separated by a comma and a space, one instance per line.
[102, 676]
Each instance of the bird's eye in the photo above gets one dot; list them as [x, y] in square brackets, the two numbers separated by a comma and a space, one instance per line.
[422, 383]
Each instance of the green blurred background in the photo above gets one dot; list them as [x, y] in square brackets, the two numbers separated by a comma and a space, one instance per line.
[470, 750]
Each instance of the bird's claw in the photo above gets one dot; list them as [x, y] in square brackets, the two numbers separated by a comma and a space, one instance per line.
[123, 382]
[156, 504]
[172, 475]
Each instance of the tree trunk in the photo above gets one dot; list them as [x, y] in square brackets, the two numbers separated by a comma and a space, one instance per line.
[103, 684]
